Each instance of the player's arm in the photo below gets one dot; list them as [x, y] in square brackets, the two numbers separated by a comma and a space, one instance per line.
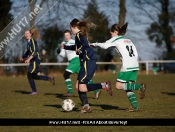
[61, 52]
[69, 47]
[25, 55]
[59, 48]
[83, 44]
[33, 47]
[105, 45]
[33, 50]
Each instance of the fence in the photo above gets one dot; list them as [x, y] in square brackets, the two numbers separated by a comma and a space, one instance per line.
[144, 65]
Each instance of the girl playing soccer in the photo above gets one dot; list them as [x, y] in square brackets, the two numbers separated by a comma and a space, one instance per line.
[33, 59]
[74, 63]
[87, 62]
[129, 56]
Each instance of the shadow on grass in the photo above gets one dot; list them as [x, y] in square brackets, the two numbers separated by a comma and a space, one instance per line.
[168, 93]
[59, 106]
[107, 107]
[59, 95]
[22, 92]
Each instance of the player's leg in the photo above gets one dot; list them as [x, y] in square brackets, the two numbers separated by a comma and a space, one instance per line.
[86, 73]
[81, 86]
[30, 79]
[130, 94]
[83, 98]
[122, 76]
[123, 79]
[35, 70]
[97, 92]
[73, 67]
[68, 81]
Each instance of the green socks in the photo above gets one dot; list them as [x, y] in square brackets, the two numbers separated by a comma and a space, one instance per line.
[132, 100]
[131, 86]
[69, 85]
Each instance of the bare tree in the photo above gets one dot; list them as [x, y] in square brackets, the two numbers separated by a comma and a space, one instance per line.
[160, 29]
[32, 6]
[122, 13]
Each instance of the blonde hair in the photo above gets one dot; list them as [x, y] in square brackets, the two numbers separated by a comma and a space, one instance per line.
[34, 32]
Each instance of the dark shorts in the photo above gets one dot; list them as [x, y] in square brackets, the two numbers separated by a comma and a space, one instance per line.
[87, 70]
[34, 66]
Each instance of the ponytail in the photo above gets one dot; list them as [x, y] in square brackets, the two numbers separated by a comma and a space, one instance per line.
[120, 30]
[34, 33]
[84, 26]
[123, 29]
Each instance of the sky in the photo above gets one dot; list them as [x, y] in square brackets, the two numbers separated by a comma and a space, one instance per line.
[147, 50]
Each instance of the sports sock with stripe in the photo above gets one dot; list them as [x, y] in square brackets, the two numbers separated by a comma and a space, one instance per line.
[69, 85]
[132, 99]
[131, 86]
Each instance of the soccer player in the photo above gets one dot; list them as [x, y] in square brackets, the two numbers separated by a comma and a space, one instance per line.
[33, 58]
[74, 63]
[87, 62]
[129, 70]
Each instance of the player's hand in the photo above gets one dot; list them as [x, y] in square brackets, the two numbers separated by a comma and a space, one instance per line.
[92, 44]
[21, 59]
[62, 46]
[78, 52]
[58, 51]
[27, 61]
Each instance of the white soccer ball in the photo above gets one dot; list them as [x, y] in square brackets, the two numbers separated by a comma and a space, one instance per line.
[68, 105]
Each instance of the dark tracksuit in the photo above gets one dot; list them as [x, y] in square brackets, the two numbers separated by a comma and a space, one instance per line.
[33, 68]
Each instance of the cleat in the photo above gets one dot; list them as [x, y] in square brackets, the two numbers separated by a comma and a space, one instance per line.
[52, 80]
[85, 109]
[131, 109]
[142, 91]
[108, 88]
[97, 94]
[68, 94]
[33, 93]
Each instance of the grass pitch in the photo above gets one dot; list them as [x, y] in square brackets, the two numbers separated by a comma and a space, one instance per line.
[16, 103]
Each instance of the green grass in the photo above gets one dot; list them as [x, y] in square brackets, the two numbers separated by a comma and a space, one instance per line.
[16, 103]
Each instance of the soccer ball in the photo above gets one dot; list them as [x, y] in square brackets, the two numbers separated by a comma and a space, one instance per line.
[68, 105]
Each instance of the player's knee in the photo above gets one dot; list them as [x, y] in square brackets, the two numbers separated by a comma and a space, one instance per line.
[82, 88]
[118, 86]
[76, 86]
[66, 75]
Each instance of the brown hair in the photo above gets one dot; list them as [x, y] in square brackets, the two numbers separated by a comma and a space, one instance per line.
[68, 31]
[84, 26]
[34, 33]
[121, 30]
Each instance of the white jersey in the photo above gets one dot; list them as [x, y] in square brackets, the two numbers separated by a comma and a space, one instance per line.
[126, 50]
[68, 53]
